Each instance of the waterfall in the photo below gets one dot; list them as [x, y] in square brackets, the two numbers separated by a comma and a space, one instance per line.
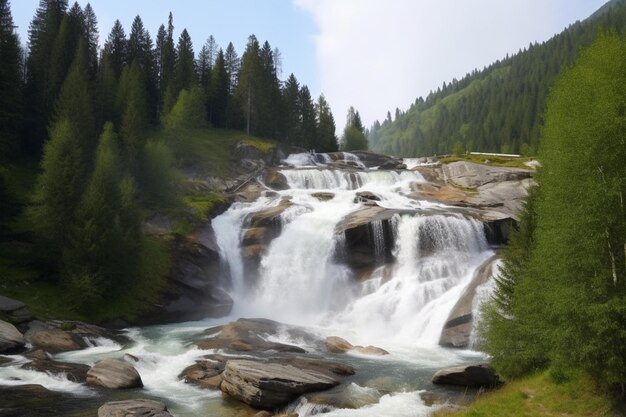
[301, 276]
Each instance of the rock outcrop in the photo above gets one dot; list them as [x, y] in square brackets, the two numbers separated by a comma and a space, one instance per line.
[269, 385]
[468, 376]
[275, 179]
[134, 408]
[458, 328]
[10, 338]
[75, 372]
[114, 374]
[204, 373]
[465, 174]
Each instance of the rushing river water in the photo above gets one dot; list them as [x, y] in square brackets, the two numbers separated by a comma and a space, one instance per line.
[400, 306]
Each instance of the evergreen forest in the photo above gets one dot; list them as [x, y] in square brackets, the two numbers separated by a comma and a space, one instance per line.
[497, 109]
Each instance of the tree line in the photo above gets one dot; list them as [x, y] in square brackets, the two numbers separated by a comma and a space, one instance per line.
[560, 298]
[497, 109]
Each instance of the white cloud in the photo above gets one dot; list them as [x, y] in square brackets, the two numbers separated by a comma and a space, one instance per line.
[378, 55]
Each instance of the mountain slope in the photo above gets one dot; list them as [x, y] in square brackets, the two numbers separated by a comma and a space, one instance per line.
[497, 109]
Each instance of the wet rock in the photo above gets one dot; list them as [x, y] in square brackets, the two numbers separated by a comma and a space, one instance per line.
[14, 311]
[269, 385]
[115, 374]
[244, 335]
[204, 373]
[335, 344]
[74, 371]
[134, 408]
[275, 179]
[323, 195]
[10, 338]
[39, 354]
[30, 400]
[61, 336]
[371, 159]
[263, 413]
[468, 376]
[366, 196]
[457, 330]
[269, 216]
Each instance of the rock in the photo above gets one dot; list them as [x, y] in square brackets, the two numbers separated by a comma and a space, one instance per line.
[369, 350]
[465, 174]
[134, 408]
[275, 179]
[371, 159]
[61, 336]
[323, 195]
[263, 414]
[115, 374]
[336, 344]
[269, 216]
[255, 236]
[391, 164]
[193, 290]
[158, 224]
[14, 311]
[467, 376]
[203, 373]
[10, 338]
[39, 354]
[54, 340]
[458, 328]
[268, 385]
[245, 335]
[73, 371]
[366, 196]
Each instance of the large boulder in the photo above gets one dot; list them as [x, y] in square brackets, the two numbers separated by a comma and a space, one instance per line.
[10, 338]
[468, 376]
[114, 374]
[458, 328]
[134, 408]
[268, 385]
[204, 373]
[247, 335]
[14, 311]
[350, 396]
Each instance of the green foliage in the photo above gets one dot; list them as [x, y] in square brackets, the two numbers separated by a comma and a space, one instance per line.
[458, 148]
[157, 176]
[132, 103]
[189, 111]
[353, 140]
[562, 294]
[101, 252]
[539, 396]
[59, 187]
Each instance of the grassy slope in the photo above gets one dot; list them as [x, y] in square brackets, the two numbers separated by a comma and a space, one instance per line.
[539, 395]
[496, 161]
[210, 150]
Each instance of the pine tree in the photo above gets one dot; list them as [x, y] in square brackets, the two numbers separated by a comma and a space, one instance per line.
[132, 103]
[100, 257]
[232, 64]
[325, 126]
[140, 50]
[59, 187]
[106, 91]
[354, 133]
[115, 49]
[185, 63]
[38, 96]
[91, 35]
[292, 124]
[309, 138]
[189, 111]
[218, 92]
[10, 83]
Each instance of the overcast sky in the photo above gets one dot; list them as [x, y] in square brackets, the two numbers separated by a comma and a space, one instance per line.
[373, 54]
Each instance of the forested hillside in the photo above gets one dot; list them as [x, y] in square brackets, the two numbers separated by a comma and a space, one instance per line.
[498, 109]
[93, 141]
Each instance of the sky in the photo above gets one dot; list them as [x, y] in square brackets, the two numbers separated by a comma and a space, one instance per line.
[375, 55]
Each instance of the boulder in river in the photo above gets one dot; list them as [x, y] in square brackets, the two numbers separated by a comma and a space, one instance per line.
[115, 374]
[134, 408]
[335, 344]
[268, 385]
[62, 336]
[10, 338]
[275, 179]
[205, 373]
[245, 335]
[75, 372]
[468, 376]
